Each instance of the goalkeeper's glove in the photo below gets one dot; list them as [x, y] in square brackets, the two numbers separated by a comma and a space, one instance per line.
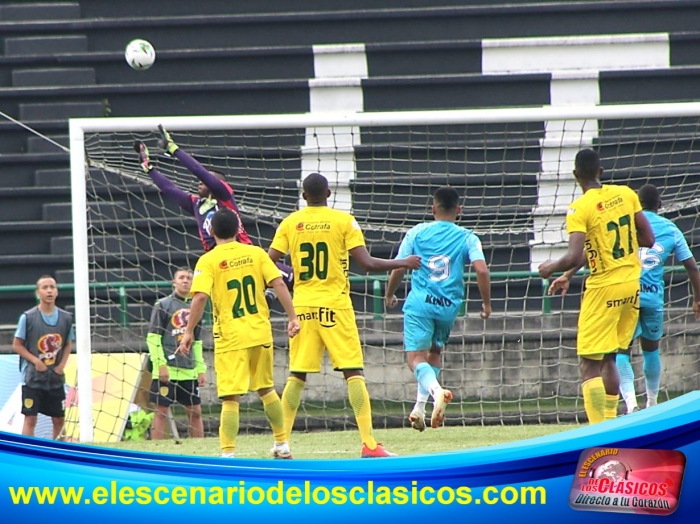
[142, 151]
[166, 141]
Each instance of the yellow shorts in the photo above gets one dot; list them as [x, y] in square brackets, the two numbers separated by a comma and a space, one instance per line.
[243, 370]
[607, 320]
[322, 329]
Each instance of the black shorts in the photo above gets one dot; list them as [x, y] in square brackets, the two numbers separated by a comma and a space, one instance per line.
[184, 392]
[49, 402]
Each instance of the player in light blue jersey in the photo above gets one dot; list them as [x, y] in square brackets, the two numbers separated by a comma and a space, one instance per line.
[669, 240]
[437, 292]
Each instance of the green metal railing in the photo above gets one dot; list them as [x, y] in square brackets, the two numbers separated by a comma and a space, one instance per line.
[377, 289]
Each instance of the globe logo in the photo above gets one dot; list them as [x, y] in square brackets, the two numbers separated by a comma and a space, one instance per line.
[612, 470]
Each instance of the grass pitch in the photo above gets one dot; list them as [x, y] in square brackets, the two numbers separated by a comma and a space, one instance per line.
[346, 444]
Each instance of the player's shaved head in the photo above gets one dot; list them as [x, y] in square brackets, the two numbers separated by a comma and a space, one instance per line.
[649, 197]
[225, 224]
[587, 165]
[315, 187]
[446, 198]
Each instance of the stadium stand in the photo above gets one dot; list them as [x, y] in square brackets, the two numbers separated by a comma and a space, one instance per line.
[65, 60]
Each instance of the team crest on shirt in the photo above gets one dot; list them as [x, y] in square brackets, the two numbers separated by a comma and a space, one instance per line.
[300, 226]
[49, 345]
[164, 391]
[223, 264]
[28, 403]
[600, 207]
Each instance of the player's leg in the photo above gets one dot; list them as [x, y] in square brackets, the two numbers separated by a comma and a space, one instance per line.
[597, 336]
[187, 395]
[418, 334]
[620, 378]
[652, 369]
[53, 404]
[305, 356]
[611, 382]
[261, 380]
[31, 400]
[650, 343]
[162, 395]
[232, 381]
[444, 397]
[342, 340]
[626, 374]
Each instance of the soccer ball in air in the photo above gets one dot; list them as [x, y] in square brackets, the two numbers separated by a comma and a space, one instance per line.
[140, 54]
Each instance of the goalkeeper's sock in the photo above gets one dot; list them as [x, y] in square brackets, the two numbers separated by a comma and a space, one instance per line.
[274, 413]
[426, 378]
[228, 427]
[611, 402]
[652, 375]
[359, 400]
[594, 399]
[624, 369]
[291, 397]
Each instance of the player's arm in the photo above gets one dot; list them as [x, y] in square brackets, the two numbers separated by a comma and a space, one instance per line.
[694, 276]
[377, 265]
[570, 260]
[199, 301]
[562, 282]
[392, 285]
[685, 255]
[154, 341]
[67, 350]
[285, 299]
[170, 190]
[645, 235]
[483, 281]
[19, 347]
[218, 188]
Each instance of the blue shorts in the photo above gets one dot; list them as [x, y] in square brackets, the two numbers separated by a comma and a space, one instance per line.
[421, 333]
[651, 323]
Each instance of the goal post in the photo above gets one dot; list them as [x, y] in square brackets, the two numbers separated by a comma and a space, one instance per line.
[513, 168]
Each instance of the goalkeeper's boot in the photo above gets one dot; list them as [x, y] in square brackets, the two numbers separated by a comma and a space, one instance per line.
[417, 419]
[166, 142]
[442, 398]
[281, 451]
[378, 452]
[144, 159]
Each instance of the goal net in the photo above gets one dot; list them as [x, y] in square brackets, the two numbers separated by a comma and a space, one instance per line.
[513, 169]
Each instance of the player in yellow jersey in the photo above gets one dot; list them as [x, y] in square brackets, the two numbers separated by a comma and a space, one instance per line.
[606, 226]
[319, 240]
[235, 276]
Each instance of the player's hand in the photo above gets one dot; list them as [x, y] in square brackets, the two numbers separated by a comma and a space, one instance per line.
[391, 301]
[546, 268]
[485, 311]
[412, 262]
[560, 284]
[293, 328]
[185, 344]
[696, 309]
[40, 366]
[166, 141]
[163, 374]
[144, 160]
[201, 380]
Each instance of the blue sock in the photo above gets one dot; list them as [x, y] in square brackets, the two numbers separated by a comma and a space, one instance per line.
[652, 374]
[425, 376]
[436, 370]
[624, 369]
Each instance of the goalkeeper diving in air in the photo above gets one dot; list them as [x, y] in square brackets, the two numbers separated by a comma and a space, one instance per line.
[213, 193]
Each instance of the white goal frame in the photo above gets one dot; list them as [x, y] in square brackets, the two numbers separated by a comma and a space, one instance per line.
[78, 166]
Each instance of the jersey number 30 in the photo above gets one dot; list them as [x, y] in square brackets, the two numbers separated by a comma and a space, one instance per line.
[315, 260]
